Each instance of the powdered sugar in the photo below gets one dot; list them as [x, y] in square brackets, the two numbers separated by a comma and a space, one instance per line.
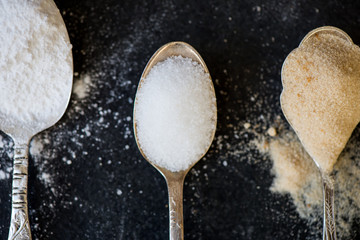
[35, 66]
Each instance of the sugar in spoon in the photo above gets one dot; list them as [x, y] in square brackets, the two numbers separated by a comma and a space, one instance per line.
[174, 179]
[329, 229]
[12, 121]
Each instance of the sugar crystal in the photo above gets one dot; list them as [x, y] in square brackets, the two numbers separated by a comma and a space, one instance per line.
[175, 113]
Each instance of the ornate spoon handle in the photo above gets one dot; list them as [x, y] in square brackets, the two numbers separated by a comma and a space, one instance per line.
[176, 222]
[329, 232]
[19, 225]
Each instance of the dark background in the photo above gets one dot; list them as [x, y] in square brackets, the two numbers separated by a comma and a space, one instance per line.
[101, 188]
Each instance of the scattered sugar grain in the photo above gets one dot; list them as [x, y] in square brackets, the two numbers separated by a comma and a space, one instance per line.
[4, 175]
[271, 132]
[82, 86]
[46, 178]
[247, 125]
[36, 146]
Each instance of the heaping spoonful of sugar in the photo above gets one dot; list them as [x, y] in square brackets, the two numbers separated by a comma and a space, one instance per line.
[321, 99]
[175, 119]
[35, 85]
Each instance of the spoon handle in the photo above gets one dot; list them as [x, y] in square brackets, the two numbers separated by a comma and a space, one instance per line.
[176, 222]
[329, 232]
[19, 225]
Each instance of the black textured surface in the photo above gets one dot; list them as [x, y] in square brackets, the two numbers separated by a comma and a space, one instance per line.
[101, 188]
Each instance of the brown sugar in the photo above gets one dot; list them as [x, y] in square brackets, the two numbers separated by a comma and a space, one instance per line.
[321, 96]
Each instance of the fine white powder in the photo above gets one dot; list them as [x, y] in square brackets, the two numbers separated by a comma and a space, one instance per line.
[35, 65]
[175, 113]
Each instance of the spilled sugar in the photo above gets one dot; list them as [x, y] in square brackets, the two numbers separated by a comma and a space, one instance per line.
[5, 169]
[175, 113]
[81, 86]
[37, 145]
[296, 174]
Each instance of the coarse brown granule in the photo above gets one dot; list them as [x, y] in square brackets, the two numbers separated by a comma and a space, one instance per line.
[321, 96]
[271, 132]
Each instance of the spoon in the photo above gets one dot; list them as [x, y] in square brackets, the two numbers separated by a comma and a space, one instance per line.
[21, 135]
[329, 229]
[174, 180]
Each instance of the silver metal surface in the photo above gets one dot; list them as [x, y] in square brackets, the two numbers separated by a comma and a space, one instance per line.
[175, 184]
[329, 226]
[329, 30]
[174, 180]
[19, 225]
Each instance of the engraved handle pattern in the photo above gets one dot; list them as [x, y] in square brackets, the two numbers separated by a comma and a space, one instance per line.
[175, 188]
[19, 225]
[329, 231]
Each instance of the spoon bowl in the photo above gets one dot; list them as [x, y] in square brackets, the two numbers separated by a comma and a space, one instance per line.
[329, 229]
[174, 180]
[326, 29]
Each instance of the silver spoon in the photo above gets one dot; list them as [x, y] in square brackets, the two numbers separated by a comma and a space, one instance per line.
[21, 135]
[329, 228]
[174, 180]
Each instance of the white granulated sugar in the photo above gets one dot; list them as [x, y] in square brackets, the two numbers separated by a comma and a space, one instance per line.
[175, 113]
[35, 64]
